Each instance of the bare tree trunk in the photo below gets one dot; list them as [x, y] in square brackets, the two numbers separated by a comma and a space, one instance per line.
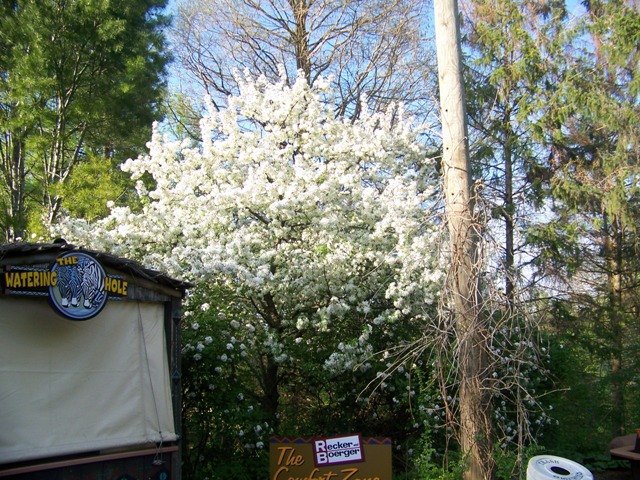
[474, 408]
[12, 157]
[300, 37]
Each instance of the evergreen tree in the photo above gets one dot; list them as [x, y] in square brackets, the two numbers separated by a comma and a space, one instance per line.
[81, 79]
[512, 49]
[592, 124]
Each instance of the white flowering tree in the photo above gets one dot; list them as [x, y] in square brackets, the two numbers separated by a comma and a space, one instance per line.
[309, 239]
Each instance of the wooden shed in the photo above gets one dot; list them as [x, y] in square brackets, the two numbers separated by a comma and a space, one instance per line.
[89, 366]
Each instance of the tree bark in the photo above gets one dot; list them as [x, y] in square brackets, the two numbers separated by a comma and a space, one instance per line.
[300, 36]
[12, 158]
[474, 408]
[613, 250]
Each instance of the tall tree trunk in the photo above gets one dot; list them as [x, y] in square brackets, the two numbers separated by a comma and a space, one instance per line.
[271, 389]
[474, 407]
[508, 210]
[13, 166]
[613, 248]
[267, 308]
[300, 36]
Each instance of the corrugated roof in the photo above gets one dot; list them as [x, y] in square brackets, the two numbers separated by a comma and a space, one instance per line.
[19, 250]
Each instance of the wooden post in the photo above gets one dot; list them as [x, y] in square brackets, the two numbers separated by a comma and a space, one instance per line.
[474, 408]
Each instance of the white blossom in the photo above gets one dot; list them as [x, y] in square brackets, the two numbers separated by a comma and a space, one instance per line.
[278, 195]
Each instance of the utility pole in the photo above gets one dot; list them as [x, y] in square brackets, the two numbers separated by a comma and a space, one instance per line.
[474, 412]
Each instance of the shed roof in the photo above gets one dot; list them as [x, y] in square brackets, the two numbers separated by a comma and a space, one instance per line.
[20, 250]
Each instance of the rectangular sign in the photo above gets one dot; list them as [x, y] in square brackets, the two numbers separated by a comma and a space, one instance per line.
[347, 457]
[330, 451]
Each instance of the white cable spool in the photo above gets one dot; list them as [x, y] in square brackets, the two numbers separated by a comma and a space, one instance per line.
[546, 467]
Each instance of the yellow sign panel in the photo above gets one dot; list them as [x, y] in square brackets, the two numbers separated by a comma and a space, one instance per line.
[337, 458]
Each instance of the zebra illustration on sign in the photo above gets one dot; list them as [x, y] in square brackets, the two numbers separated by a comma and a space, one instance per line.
[79, 293]
[92, 281]
[69, 285]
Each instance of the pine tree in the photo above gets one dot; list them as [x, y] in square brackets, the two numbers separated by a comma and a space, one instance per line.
[592, 125]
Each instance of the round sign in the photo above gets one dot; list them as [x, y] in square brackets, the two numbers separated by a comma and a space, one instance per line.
[78, 292]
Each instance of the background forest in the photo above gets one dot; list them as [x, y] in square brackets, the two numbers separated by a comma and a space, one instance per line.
[285, 157]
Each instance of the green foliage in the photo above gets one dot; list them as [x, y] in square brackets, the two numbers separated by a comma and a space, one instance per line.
[432, 464]
[92, 186]
[225, 427]
[512, 464]
[80, 80]
[589, 122]
[582, 401]
[227, 414]
[559, 245]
